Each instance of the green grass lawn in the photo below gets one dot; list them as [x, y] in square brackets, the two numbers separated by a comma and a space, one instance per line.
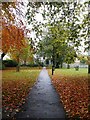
[71, 72]
[8, 75]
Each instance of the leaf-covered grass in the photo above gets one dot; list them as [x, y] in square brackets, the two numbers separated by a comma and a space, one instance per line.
[73, 88]
[15, 87]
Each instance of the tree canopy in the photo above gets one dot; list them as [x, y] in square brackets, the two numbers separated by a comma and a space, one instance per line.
[69, 14]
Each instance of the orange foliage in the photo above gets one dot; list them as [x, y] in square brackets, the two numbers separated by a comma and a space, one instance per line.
[12, 37]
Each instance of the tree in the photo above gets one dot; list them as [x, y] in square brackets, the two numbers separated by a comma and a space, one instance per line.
[25, 54]
[12, 40]
[69, 14]
[10, 24]
[83, 59]
[70, 56]
[6, 12]
[13, 30]
[12, 37]
[10, 9]
[54, 12]
[55, 46]
[86, 31]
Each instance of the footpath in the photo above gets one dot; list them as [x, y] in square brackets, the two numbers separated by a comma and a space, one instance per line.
[42, 101]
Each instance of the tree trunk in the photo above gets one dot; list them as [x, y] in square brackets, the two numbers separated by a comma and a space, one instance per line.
[25, 62]
[18, 66]
[68, 66]
[53, 61]
[57, 64]
[61, 65]
[2, 66]
[52, 70]
[88, 69]
[2, 56]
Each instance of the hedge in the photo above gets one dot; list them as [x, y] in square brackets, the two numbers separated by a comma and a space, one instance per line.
[2, 66]
[10, 63]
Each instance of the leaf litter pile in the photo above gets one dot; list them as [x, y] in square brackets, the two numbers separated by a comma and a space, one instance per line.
[15, 88]
[74, 94]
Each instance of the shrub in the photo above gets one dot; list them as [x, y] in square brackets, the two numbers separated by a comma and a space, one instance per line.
[76, 68]
[10, 63]
[2, 66]
[30, 65]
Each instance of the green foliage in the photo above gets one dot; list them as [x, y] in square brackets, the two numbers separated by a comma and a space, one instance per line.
[47, 61]
[76, 68]
[70, 56]
[33, 65]
[66, 24]
[25, 55]
[30, 65]
[65, 13]
[55, 47]
[83, 59]
[2, 66]
[10, 63]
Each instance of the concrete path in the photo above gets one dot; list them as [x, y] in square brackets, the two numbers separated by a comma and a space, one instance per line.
[42, 101]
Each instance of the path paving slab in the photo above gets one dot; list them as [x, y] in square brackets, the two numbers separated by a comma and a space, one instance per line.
[43, 100]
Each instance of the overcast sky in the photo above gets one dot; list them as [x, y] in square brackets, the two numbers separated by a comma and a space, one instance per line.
[39, 18]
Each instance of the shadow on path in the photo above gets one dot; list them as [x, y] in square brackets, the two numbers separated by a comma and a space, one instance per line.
[42, 101]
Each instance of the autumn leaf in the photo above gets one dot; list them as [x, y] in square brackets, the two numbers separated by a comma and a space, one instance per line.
[74, 95]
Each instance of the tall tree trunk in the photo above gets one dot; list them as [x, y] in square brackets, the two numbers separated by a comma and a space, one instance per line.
[2, 66]
[53, 61]
[2, 56]
[57, 61]
[18, 66]
[53, 70]
[88, 69]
